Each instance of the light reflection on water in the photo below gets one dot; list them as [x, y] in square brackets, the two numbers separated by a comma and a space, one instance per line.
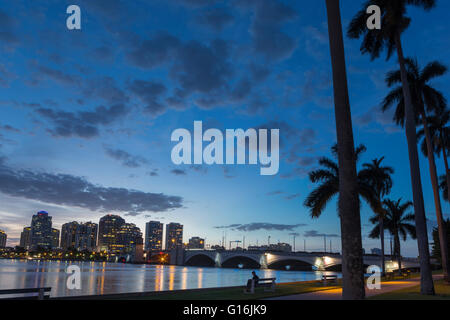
[107, 278]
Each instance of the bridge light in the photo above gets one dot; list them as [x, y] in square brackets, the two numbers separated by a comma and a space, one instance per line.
[327, 260]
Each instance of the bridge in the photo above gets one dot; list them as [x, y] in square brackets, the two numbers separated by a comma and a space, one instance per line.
[276, 260]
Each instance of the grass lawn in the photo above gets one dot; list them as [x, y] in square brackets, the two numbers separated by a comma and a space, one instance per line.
[413, 293]
[236, 293]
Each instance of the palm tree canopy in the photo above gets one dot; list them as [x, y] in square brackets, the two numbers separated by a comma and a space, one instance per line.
[328, 179]
[439, 129]
[396, 220]
[425, 98]
[393, 20]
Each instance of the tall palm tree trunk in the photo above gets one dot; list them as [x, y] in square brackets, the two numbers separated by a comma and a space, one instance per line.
[447, 171]
[437, 200]
[426, 278]
[383, 264]
[397, 252]
[352, 257]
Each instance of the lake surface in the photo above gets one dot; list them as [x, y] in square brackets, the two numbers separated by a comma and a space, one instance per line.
[107, 278]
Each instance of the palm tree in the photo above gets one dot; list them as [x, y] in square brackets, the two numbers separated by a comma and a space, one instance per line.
[394, 22]
[397, 222]
[443, 184]
[439, 132]
[426, 99]
[352, 253]
[328, 177]
[379, 177]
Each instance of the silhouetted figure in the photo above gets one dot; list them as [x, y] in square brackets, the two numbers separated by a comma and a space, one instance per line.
[254, 278]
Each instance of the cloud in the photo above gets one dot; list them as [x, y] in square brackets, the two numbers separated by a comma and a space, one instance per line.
[256, 226]
[125, 158]
[215, 18]
[315, 234]
[83, 124]
[9, 128]
[7, 24]
[69, 190]
[202, 68]
[149, 92]
[151, 53]
[178, 172]
[293, 196]
[268, 38]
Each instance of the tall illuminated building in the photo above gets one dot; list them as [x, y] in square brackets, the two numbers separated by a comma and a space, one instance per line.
[68, 235]
[25, 238]
[55, 238]
[3, 238]
[174, 236]
[153, 236]
[128, 236]
[41, 231]
[108, 229]
[86, 236]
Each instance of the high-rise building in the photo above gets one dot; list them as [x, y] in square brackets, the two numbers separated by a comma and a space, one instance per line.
[41, 231]
[128, 236]
[174, 236]
[86, 236]
[25, 238]
[196, 243]
[68, 235]
[55, 238]
[153, 236]
[3, 238]
[107, 231]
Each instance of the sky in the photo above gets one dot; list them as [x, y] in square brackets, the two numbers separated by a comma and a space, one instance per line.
[86, 115]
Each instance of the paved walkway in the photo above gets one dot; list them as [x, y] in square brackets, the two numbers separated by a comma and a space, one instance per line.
[336, 294]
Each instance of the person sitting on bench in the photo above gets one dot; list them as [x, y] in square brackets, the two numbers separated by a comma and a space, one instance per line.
[254, 278]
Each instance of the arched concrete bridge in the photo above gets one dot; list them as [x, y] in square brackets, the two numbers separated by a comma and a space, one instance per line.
[277, 260]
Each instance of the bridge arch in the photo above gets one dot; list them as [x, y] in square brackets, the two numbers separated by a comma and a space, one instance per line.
[200, 260]
[291, 265]
[241, 262]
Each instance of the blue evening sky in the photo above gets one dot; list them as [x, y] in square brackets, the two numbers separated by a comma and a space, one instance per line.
[86, 116]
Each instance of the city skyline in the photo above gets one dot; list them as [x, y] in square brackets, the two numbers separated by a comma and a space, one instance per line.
[89, 116]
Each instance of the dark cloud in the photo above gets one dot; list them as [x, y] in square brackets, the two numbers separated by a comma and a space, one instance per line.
[274, 193]
[9, 128]
[149, 93]
[201, 68]
[150, 53]
[178, 172]
[69, 190]
[83, 124]
[315, 234]
[268, 38]
[256, 226]
[293, 196]
[127, 160]
[7, 24]
[215, 18]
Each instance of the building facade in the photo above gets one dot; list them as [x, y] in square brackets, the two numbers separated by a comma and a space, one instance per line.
[153, 236]
[68, 235]
[3, 238]
[108, 229]
[41, 231]
[25, 238]
[196, 243]
[86, 236]
[128, 236]
[174, 236]
[55, 238]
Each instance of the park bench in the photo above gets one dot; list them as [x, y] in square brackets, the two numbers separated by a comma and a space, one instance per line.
[268, 285]
[328, 279]
[40, 293]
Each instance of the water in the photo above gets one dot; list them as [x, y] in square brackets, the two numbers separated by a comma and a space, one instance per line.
[107, 278]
